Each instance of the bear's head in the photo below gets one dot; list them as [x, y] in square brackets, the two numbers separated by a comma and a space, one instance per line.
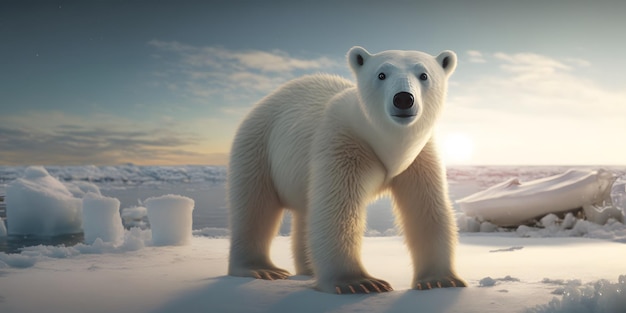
[400, 88]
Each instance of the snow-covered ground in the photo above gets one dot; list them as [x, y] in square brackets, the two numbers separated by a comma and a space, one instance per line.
[558, 266]
[505, 274]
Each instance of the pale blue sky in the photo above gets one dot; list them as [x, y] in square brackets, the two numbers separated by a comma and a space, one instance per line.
[167, 82]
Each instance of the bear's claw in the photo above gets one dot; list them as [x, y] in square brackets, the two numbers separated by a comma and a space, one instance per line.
[364, 286]
[270, 274]
[443, 283]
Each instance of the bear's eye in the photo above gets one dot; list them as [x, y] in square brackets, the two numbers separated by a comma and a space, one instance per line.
[382, 76]
[423, 76]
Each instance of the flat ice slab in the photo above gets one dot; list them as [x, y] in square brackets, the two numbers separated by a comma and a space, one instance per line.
[170, 219]
[514, 203]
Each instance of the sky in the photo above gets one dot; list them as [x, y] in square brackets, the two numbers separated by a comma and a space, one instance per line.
[168, 82]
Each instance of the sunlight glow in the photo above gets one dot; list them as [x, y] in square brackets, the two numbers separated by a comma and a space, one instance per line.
[457, 148]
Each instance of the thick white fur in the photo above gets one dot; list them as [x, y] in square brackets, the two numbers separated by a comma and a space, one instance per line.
[324, 148]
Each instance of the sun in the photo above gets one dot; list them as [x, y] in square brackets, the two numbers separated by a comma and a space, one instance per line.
[458, 148]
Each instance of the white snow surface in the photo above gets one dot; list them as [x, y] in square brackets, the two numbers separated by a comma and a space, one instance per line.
[101, 219]
[170, 219]
[546, 275]
[40, 204]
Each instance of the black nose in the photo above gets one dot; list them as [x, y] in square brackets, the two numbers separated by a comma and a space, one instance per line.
[403, 100]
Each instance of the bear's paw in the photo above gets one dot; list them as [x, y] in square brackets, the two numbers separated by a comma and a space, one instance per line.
[270, 273]
[446, 282]
[362, 285]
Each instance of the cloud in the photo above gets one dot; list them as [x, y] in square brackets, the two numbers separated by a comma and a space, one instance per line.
[278, 61]
[218, 57]
[476, 56]
[65, 140]
[533, 84]
[204, 72]
[520, 62]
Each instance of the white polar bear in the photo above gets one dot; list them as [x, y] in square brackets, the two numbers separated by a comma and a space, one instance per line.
[324, 148]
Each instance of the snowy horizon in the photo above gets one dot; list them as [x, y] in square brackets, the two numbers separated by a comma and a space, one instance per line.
[133, 184]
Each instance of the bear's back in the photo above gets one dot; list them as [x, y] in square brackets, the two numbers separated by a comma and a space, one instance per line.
[310, 90]
[298, 107]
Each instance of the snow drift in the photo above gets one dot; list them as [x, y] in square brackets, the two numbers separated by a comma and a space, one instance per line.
[514, 203]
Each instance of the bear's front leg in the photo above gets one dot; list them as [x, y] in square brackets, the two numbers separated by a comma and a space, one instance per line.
[343, 179]
[425, 214]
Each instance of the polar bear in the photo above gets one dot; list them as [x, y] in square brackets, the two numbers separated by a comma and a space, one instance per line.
[324, 148]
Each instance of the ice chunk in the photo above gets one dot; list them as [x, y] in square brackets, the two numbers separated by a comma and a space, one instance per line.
[486, 227]
[134, 217]
[134, 213]
[487, 282]
[602, 296]
[549, 220]
[601, 214]
[101, 219]
[39, 204]
[170, 219]
[569, 221]
[467, 224]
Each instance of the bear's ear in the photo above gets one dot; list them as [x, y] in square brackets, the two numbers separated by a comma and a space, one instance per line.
[447, 60]
[357, 56]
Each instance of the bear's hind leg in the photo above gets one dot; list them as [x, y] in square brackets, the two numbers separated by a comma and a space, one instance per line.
[299, 244]
[254, 224]
[255, 215]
